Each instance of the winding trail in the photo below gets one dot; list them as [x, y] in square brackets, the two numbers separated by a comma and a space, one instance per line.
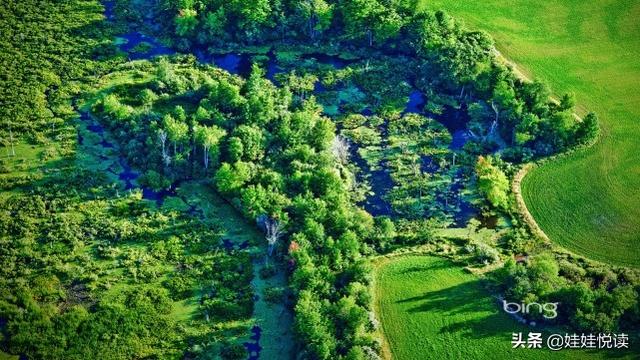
[522, 206]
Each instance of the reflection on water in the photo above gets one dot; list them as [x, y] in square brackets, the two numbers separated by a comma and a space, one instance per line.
[331, 60]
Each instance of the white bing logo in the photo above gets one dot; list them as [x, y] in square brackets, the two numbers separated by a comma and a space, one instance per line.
[548, 310]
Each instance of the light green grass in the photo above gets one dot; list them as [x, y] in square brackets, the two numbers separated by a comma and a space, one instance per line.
[587, 202]
[431, 309]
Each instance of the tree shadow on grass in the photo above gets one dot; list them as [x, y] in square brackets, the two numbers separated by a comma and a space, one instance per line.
[460, 307]
[464, 301]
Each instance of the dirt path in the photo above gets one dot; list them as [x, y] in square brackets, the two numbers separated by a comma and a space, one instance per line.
[522, 206]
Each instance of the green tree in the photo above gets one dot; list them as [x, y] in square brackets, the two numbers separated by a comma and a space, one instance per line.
[311, 326]
[251, 15]
[230, 178]
[588, 130]
[177, 131]
[323, 133]
[301, 85]
[318, 14]
[235, 148]
[147, 97]
[387, 26]
[208, 137]
[567, 102]
[253, 141]
[361, 17]
[215, 22]
[492, 182]
[186, 22]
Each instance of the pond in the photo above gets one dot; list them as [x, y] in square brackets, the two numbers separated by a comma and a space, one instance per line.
[455, 120]
[379, 180]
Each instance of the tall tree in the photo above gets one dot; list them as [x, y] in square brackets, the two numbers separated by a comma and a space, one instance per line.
[588, 129]
[177, 131]
[318, 15]
[250, 15]
[361, 17]
[492, 182]
[208, 137]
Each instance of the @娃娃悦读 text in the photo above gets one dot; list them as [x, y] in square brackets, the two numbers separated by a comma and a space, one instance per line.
[557, 342]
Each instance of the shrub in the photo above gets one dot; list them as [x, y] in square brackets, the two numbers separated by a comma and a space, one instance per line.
[483, 253]
[274, 294]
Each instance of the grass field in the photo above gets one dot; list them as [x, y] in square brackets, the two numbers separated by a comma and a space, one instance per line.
[588, 202]
[431, 309]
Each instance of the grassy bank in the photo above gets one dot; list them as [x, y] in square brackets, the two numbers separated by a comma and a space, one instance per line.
[431, 309]
[584, 201]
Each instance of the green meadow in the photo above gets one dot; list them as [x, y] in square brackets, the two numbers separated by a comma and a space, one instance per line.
[588, 201]
[432, 309]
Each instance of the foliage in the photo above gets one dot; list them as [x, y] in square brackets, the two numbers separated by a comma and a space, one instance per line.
[587, 300]
[492, 182]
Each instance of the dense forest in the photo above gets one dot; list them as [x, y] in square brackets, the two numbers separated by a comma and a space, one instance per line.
[325, 158]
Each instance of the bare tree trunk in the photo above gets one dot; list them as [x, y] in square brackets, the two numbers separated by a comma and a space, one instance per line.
[206, 157]
[312, 32]
[13, 150]
[273, 229]
[495, 122]
[496, 110]
[163, 139]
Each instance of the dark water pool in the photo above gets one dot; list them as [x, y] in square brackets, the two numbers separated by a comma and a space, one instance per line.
[429, 165]
[455, 120]
[254, 348]
[133, 39]
[380, 182]
[416, 102]
[106, 144]
[239, 64]
[127, 175]
[109, 7]
[332, 60]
